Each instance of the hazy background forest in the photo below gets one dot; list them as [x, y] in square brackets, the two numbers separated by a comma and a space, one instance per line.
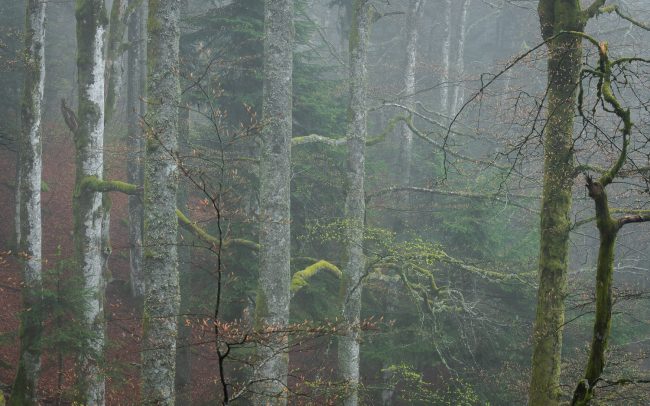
[416, 134]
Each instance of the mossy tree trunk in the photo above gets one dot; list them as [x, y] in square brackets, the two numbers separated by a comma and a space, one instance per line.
[161, 303]
[608, 228]
[87, 204]
[563, 70]
[135, 143]
[29, 247]
[272, 306]
[355, 207]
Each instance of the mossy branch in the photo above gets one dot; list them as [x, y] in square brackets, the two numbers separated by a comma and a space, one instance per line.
[644, 215]
[201, 234]
[608, 228]
[94, 184]
[594, 9]
[614, 8]
[315, 138]
[338, 142]
[301, 279]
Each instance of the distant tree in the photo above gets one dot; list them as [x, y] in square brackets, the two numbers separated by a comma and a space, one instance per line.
[135, 109]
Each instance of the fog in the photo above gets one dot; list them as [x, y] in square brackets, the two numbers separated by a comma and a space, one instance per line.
[315, 202]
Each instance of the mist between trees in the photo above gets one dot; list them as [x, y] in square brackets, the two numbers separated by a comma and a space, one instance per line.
[314, 202]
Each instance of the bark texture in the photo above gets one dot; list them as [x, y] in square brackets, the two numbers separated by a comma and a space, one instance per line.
[87, 204]
[135, 142]
[272, 307]
[355, 207]
[29, 247]
[563, 70]
[162, 296]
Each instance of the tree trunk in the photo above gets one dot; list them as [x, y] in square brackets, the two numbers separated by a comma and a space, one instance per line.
[162, 296]
[272, 306]
[459, 86]
[183, 377]
[564, 65]
[406, 139]
[87, 205]
[135, 143]
[116, 31]
[446, 45]
[608, 229]
[29, 247]
[355, 207]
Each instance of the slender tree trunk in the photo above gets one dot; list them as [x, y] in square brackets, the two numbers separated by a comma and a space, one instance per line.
[272, 307]
[459, 87]
[29, 247]
[446, 48]
[183, 377]
[87, 205]
[564, 65]
[162, 296]
[355, 207]
[116, 31]
[403, 163]
[406, 139]
[608, 229]
[135, 144]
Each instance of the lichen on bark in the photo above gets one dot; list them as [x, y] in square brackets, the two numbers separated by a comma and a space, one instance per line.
[272, 308]
[29, 191]
[563, 70]
[88, 207]
[348, 353]
[161, 302]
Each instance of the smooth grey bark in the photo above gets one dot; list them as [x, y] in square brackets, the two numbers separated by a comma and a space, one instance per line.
[162, 297]
[183, 377]
[355, 207]
[135, 143]
[87, 204]
[406, 135]
[459, 87]
[29, 204]
[446, 48]
[272, 305]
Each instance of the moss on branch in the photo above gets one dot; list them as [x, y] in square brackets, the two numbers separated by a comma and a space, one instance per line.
[94, 184]
[301, 279]
[201, 234]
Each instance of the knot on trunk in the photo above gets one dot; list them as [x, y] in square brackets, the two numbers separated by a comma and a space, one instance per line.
[595, 188]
